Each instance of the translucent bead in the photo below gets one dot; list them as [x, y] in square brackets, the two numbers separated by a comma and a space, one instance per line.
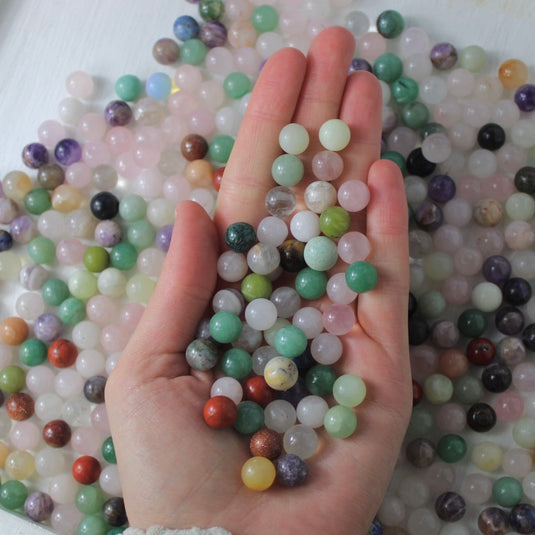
[300, 440]
[260, 314]
[70, 110]
[68, 383]
[90, 362]
[486, 296]
[65, 518]
[29, 306]
[417, 66]
[305, 225]
[476, 488]
[436, 148]
[51, 224]
[309, 320]
[438, 266]
[311, 411]
[293, 138]
[258, 473]
[460, 82]
[357, 22]
[280, 201]
[523, 263]
[524, 432]
[268, 43]
[517, 462]
[338, 291]
[232, 266]
[353, 195]
[371, 45]
[48, 406]
[229, 387]
[263, 258]
[279, 415]
[519, 235]
[319, 196]
[414, 40]
[520, 206]
[334, 134]
[505, 113]
[49, 462]
[24, 436]
[80, 84]
[487, 456]
[338, 319]
[392, 511]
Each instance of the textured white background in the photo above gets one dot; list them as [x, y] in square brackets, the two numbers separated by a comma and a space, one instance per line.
[42, 41]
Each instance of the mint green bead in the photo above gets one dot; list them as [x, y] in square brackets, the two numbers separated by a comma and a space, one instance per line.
[193, 51]
[451, 448]
[438, 389]
[468, 389]
[335, 221]
[269, 334]
[225, 327]
[311, 284]
[404, 90]
[13, 494]
[32, 352]
[349, 390]
[472, 323]
[220, 148]
[265, 18]
[123, 256]
[294, 138]
[340, 421]
[83, 284]
[334, 134]
[116, 531]
[236, 84]
[320, 253]
[128, 87]
[54, 292]
[361, 276]
[89, 499]
[71, 311]
[473, 58]
[397, 158]
[290, 341]
[415, 115]
[438, 266]
[132, 208]
[141, 234]
[388, 67]
[236, 363]
[211, 9]
[520, 207]
[12, 379]
[41, 250]
[254, 286]
[108, 451]
[390, 24]
[139, 288]
[320, 380]
[96, 259]
[37, 201]
[287, 170]
[432, 128]
[431, 304]
[524, 432]
[92, 525]
[507, 491]
[422, 422]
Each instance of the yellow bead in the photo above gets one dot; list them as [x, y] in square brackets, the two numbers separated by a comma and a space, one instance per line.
[487, 456]
[139, 288]
[513, 73]
[281, 373]
[19, 465]
[4, 452]
[258, 473]
[66, 198]
[16, 185]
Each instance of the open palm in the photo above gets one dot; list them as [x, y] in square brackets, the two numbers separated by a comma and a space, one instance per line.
[175, 470]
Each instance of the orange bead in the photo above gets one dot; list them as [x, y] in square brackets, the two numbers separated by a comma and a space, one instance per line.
[86, 470]
[220, 412]
[13, 331]
[453, 363]
[199, 173]
[62, 353]
[513, 73]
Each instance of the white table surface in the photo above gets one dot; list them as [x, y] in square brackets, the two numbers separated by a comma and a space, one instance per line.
[43, 41]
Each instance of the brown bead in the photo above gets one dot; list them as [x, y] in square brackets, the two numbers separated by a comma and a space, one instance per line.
[166, 51]
[453, 363]
[20, 406]
[292, 253]
[266, 443]
[194, 147]
[488, 212]
[62, 353]
[13, 331]
[199, 173]
[57, 433]
[50, 175]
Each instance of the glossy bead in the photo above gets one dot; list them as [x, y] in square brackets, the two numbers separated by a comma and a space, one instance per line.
[266, 443]
[292, 471]
[250, 418]
[349, 390]
[496, 378]
[334, 134]
[320, 253]
[450, 506]
[487, 456]
[472, 323]
[522, 518]
[19, 406]
[12, 379]
[524, 432]
[13, 494]
[451, 448]
[220, 412]
[236, 363]
[280, 373]
[258, 473]
[202, 354]
[507, 491]
[86, 470]
[390, 23]
[320, 380]
[62, 353]
[13, 330]
[525, 97]
[443, 56]
[104, 205]
[481, 417]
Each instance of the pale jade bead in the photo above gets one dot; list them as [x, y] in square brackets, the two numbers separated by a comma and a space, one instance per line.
[334, 134]
[294, 138]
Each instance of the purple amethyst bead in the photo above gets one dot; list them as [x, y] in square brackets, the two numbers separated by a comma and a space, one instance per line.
[443, 56]
[108, 233]
[163, 237]
[34, 155]
[33, 276]
[441, 188]
[38, 506]
[117, 113]
[450, 507]
[6, 240]
[360, 64]
[525, 97]
[47, 327]
[497, 269]
[68, 151]
[291, 470]
[23, 229]
[213, 34]
[429, 216]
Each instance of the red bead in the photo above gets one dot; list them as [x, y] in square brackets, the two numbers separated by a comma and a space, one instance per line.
[62, 353]
[57, 433]
[257, 390]
[86, 470]
[480, 351]
[217, 176]
[20, 406]
[220, 412]
[417, 392]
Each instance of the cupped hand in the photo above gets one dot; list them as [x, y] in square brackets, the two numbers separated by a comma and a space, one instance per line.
[175, 470]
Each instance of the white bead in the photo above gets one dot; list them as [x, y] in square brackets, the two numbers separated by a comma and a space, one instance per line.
[229, 300]
[311, 411]
[261, 314]
[111, 282]
[160, 212]
[51, 224]
[263, 258]
[309, 320]
[279, 415]
[486, 296]
[228, 387]
[319, 195]
[305, 225]
[326, 348]
[272, 230]
[232, 266]
[433, 90]
[68, 383]
[85, 335]
[90, 362]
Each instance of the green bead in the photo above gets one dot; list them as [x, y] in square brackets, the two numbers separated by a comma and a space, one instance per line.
[83, 284]
[340, 421]
[415, 115]
[254, 286]
[96, 259]
[388, 67]
[128, 87]
[397, 158]
[240, 237]
[13, 494]
[193, 51]
[311, 284]
[41, 250]
[89, 499]
[236, 84]
[116, 531]
[108, 451]
[451, 448]
[390, 23]
[431, 304]
[349, 390]
[320, 253]
[438, 389]
[265, 18]
[132, 208]
[438, 266]
[220, 148]
[472, 323]
[473, 58]
[422, 422]
[250, 418]
[225, 327]
[334, 222]
[334, 134]
[92, 525]
[123, 256]
[32, 352]
[431, 128]
[139, 288]
[523, 432]
[54, 292]
[468, 389]
[361, 276]
[520, 207]
[320, 380]
[290, 341]
[404, 90]
[211, 9]
[236, 363]
[287, 170]
[37, 201]
[141, 234]
[269, 334]
[71, 311]
[12, 379]
[507, 491]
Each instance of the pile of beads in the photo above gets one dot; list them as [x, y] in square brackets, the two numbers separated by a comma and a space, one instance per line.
[265, 342]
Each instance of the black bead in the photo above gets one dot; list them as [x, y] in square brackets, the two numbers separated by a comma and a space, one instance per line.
[94, 389]
[517, 291]
[418, 165]
[496, 378]
[491, 136]
[481, 417]
[525, 180]
[114, 511]
[528, 337]
[240, 237]
[418, 331]
[509, 320]
[6, 240]
[104, 205]
[413, 304]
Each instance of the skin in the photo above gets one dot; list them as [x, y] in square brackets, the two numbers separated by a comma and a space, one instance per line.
[175, 470]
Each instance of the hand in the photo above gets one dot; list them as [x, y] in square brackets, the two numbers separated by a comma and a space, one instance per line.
[175, 470]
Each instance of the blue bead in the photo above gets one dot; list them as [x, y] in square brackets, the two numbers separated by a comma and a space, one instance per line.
[6, 240]
[186, 27]
[158, 85]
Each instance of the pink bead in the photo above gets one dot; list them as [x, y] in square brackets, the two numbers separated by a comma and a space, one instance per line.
[524, 377]
[95, 153]
[150, 134]
[146, 154]
[65, 519]
[219, 61]
[414, 40]
[148, 183]
[339, 319]
[469, 188]
[403, 140]
[78, 175]
[109, 480]
[176, 189]
[188, 78]
[119, 139]
[70, 251]
[292, 21]
[490, 241]
[247, 60]
[460, 82]
[25, 435]
[102, 310]
[424, 361]
[40, 380]
[50, 132]
[476, 488]
[371, 45]
[519, 235]
[509, 406]
[353, 246]
[182, 103]
[338, 291]
[126, 165]
[457, 290]
[174, 130]
[211, 94]
[99, 419]
[498, 186]
[517, 462]
[80, 84]
[468, 261]
[327, 165]
[202, 122]
[440, 477]
[130, 315]
[86, 440]
[353, 195]
[114, 337]
[448, 112]
[447, 239]
[6, 355]
[450, 418]
[92, 126]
